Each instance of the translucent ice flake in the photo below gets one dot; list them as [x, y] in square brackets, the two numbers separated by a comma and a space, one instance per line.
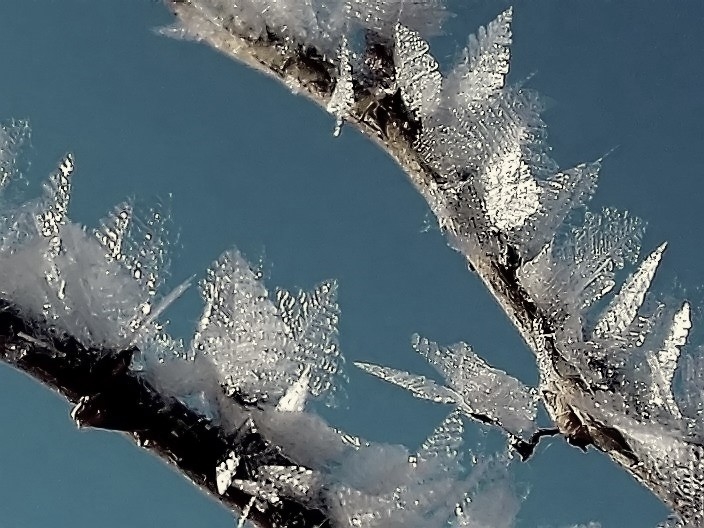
[578, 269]
[484, 390]
[428, 488]
[417, 73]
[445, 441]
[480, 391]
[562, 193]
[294, 399]
[485, 63]
[57, 193]
[311, 320]
[623, 308]
[285, 351]
[113, 230]
[240, 330]
[342, 98]
[511, 194]
[13, 135]
[663, 362]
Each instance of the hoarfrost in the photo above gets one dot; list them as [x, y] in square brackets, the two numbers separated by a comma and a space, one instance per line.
[664, 362]
[578, 269]
[310, 21]
[285, 350]
[342, 98]
[417, 72]
[484, 65]
[480, 391]
[13, 136]
[623, 308]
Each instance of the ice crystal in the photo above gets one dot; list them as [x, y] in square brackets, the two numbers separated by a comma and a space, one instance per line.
[579, 269]
[113, 230]
[286, 350]
[423, 490]
[342, 98]
[310, 21]
[240, 329]
[13, 135]
[484, 65]
[478, 390]
[417, 72]
[623, 308]
[663, 362]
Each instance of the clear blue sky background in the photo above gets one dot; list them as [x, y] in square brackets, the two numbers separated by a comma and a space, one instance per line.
[248, 163]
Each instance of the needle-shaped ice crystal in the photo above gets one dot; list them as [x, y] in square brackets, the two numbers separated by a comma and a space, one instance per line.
[294, 399]
[623, 308]
[342, 98]
[420, 386]
[663, 362]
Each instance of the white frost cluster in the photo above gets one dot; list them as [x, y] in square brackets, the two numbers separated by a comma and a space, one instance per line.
[320, 23]
[270, 353]
[81, 283]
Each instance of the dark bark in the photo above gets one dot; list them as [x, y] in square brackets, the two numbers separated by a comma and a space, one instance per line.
[108, 395]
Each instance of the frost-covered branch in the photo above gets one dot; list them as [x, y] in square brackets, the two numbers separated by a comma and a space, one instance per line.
[80, 310]
[475, 148]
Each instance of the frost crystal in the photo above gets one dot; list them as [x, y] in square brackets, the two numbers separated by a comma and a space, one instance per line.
[579, 270]
[57, 194]
[240, 329]
[483, 68]
[113, 231]
[480, 391]
[342, 98]
[286, 350]
[664, 362]
[623, 308]
[13, 136]
[417, 72]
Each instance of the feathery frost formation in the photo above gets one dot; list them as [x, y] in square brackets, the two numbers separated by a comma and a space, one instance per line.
[232, 407]
[475, 147]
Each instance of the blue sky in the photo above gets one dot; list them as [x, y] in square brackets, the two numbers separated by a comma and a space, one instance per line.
[247, 163]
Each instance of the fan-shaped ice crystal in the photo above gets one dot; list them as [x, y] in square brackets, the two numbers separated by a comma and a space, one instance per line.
[483, 68]
[480, 391]
[417, 72]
